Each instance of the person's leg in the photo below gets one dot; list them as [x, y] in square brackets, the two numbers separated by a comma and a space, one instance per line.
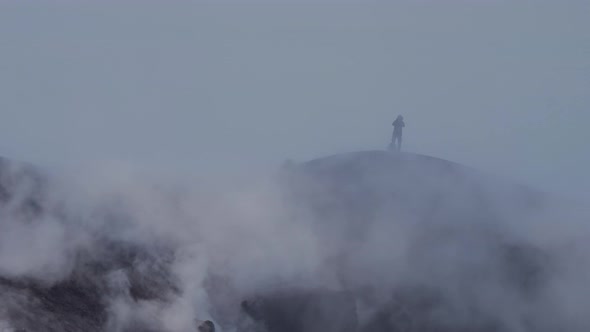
[399, 143]
[392, 145]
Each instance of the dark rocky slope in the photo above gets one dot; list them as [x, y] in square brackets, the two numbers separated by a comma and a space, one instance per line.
[412, 243]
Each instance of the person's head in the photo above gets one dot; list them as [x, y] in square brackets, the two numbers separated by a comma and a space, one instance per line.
[399, 117]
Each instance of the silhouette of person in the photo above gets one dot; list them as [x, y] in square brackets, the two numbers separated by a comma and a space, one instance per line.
[398, 126]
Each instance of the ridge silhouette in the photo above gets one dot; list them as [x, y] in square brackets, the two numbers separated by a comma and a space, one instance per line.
[347, 196]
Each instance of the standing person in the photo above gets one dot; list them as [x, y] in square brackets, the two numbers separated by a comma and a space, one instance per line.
[398, 126]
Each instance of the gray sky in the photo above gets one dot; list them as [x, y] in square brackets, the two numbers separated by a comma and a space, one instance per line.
[191, 87]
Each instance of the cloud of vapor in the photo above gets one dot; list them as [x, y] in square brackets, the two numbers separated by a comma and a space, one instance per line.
[405, 239]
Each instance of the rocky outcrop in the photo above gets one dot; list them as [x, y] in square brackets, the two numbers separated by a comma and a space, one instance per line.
[409, 243]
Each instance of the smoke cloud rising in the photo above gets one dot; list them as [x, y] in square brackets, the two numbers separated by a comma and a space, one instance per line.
[151, 95]
[411, 243]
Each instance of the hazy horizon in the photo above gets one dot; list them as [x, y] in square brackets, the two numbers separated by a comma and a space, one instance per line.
[213, 98]
[201, 88]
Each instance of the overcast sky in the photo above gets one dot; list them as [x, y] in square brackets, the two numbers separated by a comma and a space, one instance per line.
[503, 86]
